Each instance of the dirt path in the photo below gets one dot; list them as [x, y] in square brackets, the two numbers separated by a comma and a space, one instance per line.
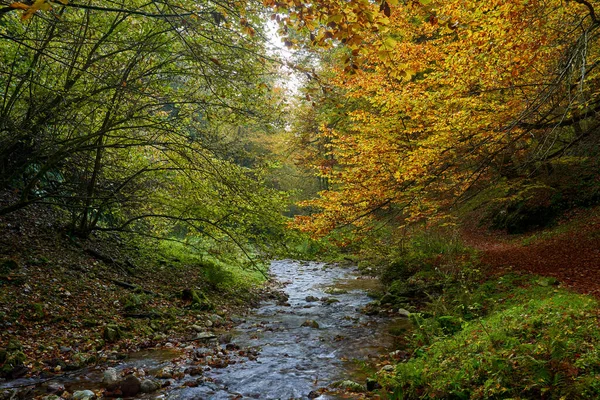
[569, 252]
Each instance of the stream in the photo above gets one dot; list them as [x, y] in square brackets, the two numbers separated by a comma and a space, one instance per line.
[290, 349]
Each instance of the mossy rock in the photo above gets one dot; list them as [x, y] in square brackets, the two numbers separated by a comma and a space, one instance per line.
[350, 386]
[198, 299]
[112, 333]
[13, 361]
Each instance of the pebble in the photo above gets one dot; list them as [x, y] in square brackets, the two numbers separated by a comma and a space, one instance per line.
[84, 395]
[54, 387]
[403, 313]
[388, 368]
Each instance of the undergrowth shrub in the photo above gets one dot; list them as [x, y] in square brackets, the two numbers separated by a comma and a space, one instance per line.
[539, 343]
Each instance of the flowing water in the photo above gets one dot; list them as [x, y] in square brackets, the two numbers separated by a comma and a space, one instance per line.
[298, 347]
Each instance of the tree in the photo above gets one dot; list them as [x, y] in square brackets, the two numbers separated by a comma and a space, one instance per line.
[458, 94]
[112, 111]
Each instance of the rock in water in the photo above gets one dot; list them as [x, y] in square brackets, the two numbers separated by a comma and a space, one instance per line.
[149, 386]
[110, 376]
[311, 298]
[130, 386]
[311, 323]
[55, 388]
[84, 395]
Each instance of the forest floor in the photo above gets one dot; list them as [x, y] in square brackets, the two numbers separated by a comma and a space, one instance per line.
[568, 251]
[66, 303]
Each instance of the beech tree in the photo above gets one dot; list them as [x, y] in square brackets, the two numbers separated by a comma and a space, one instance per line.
[453, 94]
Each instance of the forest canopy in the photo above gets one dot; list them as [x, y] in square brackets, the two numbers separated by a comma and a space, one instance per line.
[127, 116]
[431, 102]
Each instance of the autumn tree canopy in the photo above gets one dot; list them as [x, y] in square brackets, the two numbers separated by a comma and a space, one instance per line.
[443, 96]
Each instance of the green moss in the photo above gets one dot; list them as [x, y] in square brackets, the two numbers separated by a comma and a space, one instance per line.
[538, 342]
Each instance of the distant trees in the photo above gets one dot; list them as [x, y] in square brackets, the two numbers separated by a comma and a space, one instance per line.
[110, 111]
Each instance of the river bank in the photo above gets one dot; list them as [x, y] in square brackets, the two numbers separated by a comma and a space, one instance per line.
[296, 344]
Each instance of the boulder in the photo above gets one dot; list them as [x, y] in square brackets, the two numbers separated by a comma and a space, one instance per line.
[311, 298]
[130, 386]
[110, 376]
[112, 333]
[149, 386]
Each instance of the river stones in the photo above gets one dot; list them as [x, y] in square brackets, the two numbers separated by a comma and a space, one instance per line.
[55, 387]
[350, 386]
[84, 395]
[311, 323]
[130, 386]
[205, 336]
[311, 298]
[149, 386]
[110, 376]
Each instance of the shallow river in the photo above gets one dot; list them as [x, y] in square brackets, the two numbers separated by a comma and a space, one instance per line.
[295, 360]
[298, 346]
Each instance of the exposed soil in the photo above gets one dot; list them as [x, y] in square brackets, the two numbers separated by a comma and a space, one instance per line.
[569, 252]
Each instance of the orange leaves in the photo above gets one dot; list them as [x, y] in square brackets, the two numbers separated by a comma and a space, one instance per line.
[442, 87]
[38, 5]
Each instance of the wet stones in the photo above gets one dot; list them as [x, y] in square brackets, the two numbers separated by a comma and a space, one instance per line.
[329, 300]
[130, 386]
[350, 386]
[83, 395]
[311, 298]
[110, 377]
[205, 336]
[55, 388]
[149, 386]
[335, 290]
[311, 323]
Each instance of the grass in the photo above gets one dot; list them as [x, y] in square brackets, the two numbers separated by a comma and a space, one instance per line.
[475, 337]
[531, 340]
